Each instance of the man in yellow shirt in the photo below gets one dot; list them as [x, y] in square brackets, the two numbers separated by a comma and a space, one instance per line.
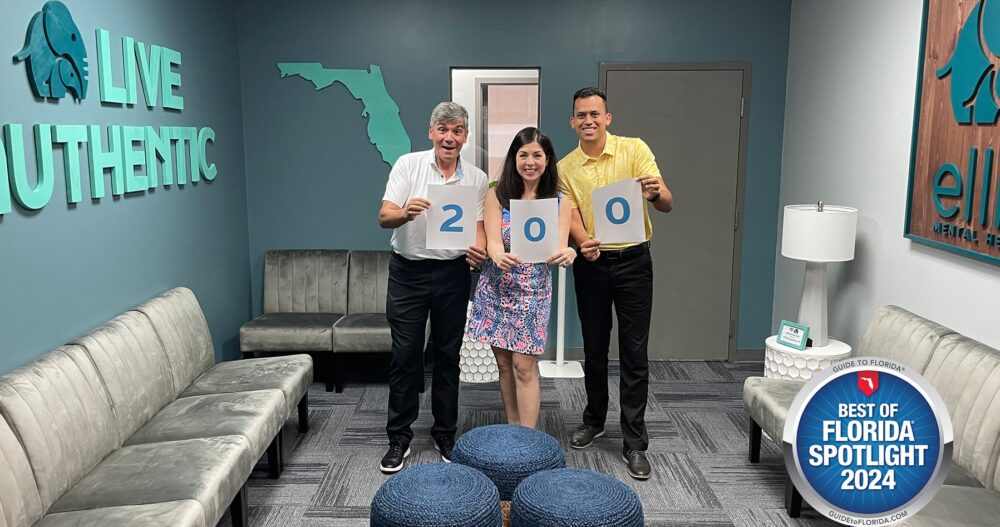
[612, 274]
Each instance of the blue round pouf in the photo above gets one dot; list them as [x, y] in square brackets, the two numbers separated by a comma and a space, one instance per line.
[435, 495]
[580, 498]
[507, 454]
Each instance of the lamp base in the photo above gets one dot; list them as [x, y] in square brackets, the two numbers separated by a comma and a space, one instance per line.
[812, 308]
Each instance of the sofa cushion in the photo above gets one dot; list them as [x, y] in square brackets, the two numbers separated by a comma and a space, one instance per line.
[289, 332]
[958, 507]
[59, 412]
[179, 322]
[180, 513]
[208, 470]
[305, 281]
[362, 332]
[20, 504]
[368, 282]
[895, 333]
[966, 375]
[134, 367]
[292, 374]
[767, 401]
[254, 415]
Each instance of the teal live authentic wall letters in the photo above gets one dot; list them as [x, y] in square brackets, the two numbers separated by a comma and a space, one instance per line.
[128, 158]
[156, 70]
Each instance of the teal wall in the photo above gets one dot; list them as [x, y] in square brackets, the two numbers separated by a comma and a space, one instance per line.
[66, 269]
[313, 180]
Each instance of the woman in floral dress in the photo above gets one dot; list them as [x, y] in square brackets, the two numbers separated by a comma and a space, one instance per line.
[511, 308]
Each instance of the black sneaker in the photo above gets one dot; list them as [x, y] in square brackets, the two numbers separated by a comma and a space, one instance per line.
[444, 444]
[584, 435]
[638, 465]
[392, 461]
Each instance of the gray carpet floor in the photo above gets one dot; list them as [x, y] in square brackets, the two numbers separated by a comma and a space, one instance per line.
[698, 447]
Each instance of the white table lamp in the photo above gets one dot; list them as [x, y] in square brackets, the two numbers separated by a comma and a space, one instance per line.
[817, 234]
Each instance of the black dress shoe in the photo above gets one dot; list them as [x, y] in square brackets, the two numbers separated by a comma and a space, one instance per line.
[392, 461]
[638, 465]
[584, 435]
[444, 444]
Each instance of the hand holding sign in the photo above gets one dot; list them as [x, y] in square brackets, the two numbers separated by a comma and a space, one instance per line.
[618, 213]
[451, 217]
[534, 229]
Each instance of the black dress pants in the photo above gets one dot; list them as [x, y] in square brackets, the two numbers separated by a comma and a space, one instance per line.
[623, 279]
[418, 289]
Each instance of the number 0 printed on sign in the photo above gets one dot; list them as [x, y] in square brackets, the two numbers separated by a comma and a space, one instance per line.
[451, 220]
[618, 213]
[534, 229]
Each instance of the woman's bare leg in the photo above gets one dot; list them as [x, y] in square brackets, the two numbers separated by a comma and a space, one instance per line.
[529, 397]
[507, 384]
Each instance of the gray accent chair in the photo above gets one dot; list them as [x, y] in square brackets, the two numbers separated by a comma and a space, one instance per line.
[327, 302]
[965, 373]
[132, 424]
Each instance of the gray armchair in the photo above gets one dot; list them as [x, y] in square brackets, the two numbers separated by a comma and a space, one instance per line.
[330, 302]
[305, 293]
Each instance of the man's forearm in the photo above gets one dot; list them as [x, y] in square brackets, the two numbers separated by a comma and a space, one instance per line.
[577, 233]
[390, 219]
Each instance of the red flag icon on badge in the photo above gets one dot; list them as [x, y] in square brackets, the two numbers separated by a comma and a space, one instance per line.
[868, 382]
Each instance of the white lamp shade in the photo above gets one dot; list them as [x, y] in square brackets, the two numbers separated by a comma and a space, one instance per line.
[827, 236]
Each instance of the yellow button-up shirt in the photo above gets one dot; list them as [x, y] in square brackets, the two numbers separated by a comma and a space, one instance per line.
[580, 174]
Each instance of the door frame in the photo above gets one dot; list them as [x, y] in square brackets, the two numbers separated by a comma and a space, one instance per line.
[734, 295]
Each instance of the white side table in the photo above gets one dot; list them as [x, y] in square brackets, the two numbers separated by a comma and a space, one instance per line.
[477, 362]
[782, 362]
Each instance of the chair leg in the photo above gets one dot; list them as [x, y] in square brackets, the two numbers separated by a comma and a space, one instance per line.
[754, 441]
[304, 413]
[328, 367]
[238, 509]
[275, 457]
[338, 372]
[793, 500]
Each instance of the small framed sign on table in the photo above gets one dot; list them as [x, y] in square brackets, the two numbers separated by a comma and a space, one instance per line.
[793, 335]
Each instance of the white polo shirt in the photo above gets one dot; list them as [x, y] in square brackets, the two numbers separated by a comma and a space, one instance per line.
[409, 179]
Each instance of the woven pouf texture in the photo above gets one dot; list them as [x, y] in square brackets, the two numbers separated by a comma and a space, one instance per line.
[437, 495]
[570, 496]
[507, 454]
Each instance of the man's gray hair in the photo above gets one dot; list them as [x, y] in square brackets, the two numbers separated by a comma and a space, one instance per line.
[447, 112]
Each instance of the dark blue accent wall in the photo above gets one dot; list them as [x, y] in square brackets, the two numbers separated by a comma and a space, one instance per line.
[66, 269]
[313, 179]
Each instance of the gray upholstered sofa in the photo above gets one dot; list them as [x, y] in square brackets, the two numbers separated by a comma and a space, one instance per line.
[328, 302]
[134, 424]
[965, 373]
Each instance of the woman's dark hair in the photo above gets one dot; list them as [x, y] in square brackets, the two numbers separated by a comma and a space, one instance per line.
[511, 185]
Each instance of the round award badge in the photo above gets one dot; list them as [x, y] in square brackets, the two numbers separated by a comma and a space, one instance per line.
[867, 441]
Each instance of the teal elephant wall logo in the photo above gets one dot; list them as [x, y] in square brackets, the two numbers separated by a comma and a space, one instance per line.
[55, 54]
[974, 79]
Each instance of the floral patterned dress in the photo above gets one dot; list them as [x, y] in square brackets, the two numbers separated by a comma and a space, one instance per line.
[511, 308]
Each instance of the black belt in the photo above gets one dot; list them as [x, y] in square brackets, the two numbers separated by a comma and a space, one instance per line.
[627, 252]
[427, 262]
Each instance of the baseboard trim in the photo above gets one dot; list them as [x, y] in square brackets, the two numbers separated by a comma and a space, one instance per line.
[749, 354]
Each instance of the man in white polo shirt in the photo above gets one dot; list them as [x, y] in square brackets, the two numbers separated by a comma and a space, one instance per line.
[427, 282]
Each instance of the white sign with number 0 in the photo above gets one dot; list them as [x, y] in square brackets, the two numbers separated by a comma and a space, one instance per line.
[534, 229]
[618, 213]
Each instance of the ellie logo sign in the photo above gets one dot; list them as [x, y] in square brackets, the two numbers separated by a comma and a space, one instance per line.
[55, 54]
[953, 202]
